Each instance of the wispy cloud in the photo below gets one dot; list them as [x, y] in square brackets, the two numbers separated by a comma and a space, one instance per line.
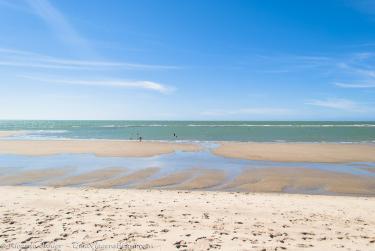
[62, 28]
[365, 6]
[358, 66]
[248, 111]
[19, 58]
[117, 83]
[335, 103]
[364, 55]
[359, 69]
[15, 5]
[355, 85]
[58, 23]
[288, 63]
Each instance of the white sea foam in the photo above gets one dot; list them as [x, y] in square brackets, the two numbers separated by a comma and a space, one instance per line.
[235, 125]
[126, 126]
[286, 125]
[46, 131]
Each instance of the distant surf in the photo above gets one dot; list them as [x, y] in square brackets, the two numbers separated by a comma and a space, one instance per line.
[258, 131]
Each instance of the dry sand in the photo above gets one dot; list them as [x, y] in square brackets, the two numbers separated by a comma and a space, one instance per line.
[82, 219]
[112, 148]
[298, 152]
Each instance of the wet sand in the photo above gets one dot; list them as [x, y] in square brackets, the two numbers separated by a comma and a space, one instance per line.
[277, 179]
[98, 147]
[74, 219]
[298, 152]
[369, 169]
[302, 180]
[204, 179]
[134, 177]
[32, 176]
[281, 152]
[172, 179]
[89, 177]
[4, 134]
[191, 179]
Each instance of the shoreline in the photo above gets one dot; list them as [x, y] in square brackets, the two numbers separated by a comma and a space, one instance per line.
[192, 220]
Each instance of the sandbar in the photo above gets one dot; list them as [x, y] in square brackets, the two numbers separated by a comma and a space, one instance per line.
[114, 148]
[298, 152]
[4, 134]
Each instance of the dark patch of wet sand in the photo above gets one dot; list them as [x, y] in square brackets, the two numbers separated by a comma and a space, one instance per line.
[25, 177]
[205, 178]
[89, 177]
[369, 169]
[168, 180]
[134, 177]
[301, 179]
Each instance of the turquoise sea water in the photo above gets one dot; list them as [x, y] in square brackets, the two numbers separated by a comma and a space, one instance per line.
[262, 131]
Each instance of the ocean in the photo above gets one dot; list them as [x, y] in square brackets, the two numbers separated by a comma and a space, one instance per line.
[258, 131]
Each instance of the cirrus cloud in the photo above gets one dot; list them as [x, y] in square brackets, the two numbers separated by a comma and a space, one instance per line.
[336, 103]
[355, 85]
[248, 111]
[118, 83]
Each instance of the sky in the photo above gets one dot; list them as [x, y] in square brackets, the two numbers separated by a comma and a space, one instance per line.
[187, 60]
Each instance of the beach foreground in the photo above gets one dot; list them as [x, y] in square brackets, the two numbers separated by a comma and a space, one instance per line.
[85, 219]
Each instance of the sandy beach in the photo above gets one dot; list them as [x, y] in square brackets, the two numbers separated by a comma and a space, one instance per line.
[191, 208]
[79, 219]
[112, 148]
[191, 125]
[298, 152]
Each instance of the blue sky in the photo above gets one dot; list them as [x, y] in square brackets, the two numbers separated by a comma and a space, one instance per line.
[182, 60]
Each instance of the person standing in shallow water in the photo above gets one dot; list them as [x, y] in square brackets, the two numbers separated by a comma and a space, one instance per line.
[140, 138]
